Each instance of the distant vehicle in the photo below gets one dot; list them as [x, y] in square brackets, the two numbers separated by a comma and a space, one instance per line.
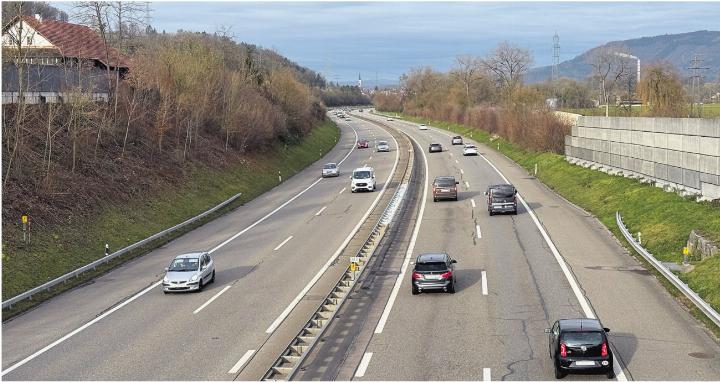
[457, 140]
[435, 148]
[360, 110]
[433, 271]
[423, 127]
[189, 272]
[444, 187]
[470, 150]
[383, 146]
[362, 178]
[580, 345]
[363, 144]
[501, 198]
[330, 169]
[390, 119]
[347, 119]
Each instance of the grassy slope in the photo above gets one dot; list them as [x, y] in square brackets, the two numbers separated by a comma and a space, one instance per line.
[665, 219]
[66, 248]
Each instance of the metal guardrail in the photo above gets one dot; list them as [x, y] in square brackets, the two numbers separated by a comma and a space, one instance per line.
[708, 310]
[287, 364]
[28, 295]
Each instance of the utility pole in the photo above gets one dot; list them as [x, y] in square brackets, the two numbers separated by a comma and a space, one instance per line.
[695, 85]
[556, 58]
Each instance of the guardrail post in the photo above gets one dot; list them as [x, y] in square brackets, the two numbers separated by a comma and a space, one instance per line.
[107, 249]
[639, 235]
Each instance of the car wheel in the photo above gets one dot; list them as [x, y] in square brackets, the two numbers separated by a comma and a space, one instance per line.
[415, 290]
[491, 213]
[452, 288]
[212, 279]
[610, 374]
[200, 286]
[515, 211]
[559, 374]
[165, 292]
[456, 198]
[434, 199]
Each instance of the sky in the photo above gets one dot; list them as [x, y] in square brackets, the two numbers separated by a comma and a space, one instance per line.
[383, 40]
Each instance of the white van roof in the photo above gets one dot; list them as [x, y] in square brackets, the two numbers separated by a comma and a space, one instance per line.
[364, 169]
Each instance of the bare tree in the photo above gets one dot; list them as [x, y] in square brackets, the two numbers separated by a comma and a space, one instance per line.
[609, 69]
[508, 62]
[662, 90]
[467, 71]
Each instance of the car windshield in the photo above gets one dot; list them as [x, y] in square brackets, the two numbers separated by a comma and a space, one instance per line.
[431, 267]
[361, 174]
[470, 147]
[329, 166]
[184, 265]
[582, 338]
[504, 192]
[445, 182]
[458, 137]
[382, 143]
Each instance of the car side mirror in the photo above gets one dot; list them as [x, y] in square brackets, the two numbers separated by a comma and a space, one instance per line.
[515, 192]
[457, 182]
[607, 330]
[166, 269]
[349, 177]
[485, 193]
[453, 261]
[547, 330]
[412, 263]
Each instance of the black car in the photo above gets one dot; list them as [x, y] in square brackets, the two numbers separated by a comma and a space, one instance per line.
[580, 345]
[501, 198]
[435, 148]
[433, 271]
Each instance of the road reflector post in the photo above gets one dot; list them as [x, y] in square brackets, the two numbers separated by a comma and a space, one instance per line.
[639, 235]
[107, 249]
[686, 252]
[279, 177]
[24, 219]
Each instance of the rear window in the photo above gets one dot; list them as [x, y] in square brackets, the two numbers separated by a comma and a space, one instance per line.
[329, 166]
[503, 192]
[470, 146]
[582, 338]
[430, 267]
[434, 144]
[445, 182]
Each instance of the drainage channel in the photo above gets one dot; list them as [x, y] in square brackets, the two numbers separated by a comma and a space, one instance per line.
[289, 360]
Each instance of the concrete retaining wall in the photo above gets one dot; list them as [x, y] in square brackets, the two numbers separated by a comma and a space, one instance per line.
[681, 153]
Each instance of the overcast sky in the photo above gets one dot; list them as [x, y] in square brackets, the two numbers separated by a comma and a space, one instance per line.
[342, 39]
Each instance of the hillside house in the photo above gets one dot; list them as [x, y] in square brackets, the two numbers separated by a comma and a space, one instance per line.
[57, 60]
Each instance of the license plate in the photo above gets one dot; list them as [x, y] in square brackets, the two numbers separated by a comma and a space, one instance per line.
[432, 277]
[585, 363]
[497, 207]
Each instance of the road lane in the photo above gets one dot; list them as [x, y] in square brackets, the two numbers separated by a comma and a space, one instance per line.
[149, 327]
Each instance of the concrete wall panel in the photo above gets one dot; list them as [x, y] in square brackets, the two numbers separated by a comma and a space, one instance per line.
[691, 178]
[709, 146]
[709, 164]
[691, 143]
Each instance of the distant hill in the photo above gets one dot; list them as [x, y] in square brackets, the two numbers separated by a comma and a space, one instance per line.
[677, 49]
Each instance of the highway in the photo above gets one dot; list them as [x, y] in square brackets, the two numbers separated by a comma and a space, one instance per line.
[516, 274]
[267, 252]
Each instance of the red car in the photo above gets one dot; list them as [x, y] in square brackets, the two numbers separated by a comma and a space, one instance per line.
[363, 144]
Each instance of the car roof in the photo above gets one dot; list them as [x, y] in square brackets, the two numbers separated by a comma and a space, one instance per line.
[457, 136]
[363, 169]
[444, 178]
[382, 142]
[435, 144]
[331, 163]
[580, 324]
[432, 257]
[501, 186]
[190, 255]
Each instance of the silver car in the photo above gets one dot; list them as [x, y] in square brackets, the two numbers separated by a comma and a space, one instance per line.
[330, 169]
[383, 146]
[189, 272]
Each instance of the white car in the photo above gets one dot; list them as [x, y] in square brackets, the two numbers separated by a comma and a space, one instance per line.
[423, 127]
[363, 178]
[330, 169]
[470, 150]
[383, 146]
[389, 119]
[189, 272]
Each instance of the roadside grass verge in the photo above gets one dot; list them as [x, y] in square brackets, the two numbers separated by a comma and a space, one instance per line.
[664, 218]
[65, 248]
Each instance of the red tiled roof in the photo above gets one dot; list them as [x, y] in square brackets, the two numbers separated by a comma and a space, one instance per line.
[75, 40]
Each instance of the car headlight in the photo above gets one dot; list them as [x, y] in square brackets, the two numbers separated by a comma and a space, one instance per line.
[195, 277]
[166, 280]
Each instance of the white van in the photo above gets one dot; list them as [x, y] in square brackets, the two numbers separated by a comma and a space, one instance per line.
[363, 178]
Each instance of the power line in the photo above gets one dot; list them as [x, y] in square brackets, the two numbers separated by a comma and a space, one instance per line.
[695, 84]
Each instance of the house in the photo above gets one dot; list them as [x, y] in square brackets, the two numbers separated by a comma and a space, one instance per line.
[56, 60]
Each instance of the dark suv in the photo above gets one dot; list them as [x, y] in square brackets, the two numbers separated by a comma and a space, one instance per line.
[435, 148]
[444, 187]
[433, 271]
[501, 198]
[580, 345]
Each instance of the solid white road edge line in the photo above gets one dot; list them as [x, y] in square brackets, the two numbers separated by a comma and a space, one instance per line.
[364, 363]
[472, 201]
[283, 243]
[484, 283]
[477, 231]
[321, 211]
[563, 266]
[80, 329]
[337, 253]
[211, 300]
[241, 362]
[486, 374]
[408, 255]
[133, 298]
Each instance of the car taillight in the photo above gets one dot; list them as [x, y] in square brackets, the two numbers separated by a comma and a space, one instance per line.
[603, 350]
[563, 350]
[417, 276]
[446, 275]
